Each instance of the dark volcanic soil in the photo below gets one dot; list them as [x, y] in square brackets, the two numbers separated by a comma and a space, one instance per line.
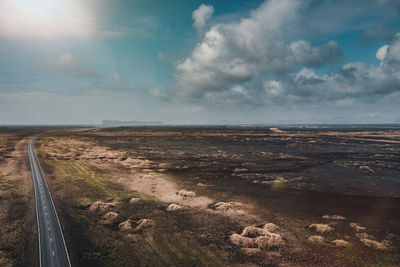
[293, 177]
[337, 161]
[289, 176]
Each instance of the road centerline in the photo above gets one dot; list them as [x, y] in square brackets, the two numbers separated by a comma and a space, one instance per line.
[51, 243]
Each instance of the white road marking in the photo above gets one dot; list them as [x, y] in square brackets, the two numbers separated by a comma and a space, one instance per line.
[41, 184]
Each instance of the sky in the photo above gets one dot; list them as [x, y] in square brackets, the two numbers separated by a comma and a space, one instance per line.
[199, 62]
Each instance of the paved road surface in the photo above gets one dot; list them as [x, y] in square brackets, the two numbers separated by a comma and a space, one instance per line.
[52, 248]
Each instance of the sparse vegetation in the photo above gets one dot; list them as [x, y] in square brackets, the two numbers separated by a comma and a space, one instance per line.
[18, 243]
[187, 196]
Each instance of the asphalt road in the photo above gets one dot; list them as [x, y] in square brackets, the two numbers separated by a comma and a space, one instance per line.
[52, 247]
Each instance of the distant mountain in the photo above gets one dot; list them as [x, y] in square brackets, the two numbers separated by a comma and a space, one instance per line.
[129, 123]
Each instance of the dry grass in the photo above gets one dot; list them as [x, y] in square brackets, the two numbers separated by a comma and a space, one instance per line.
[357, 227]
[127, 226]
[374, 244]
[17, 215]
[341, 243]
[333, 217]
[156, 167]
[321, 227]
[316, 239]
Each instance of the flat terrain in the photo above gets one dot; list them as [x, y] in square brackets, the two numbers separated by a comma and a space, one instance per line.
[18, 244]
[331, 194]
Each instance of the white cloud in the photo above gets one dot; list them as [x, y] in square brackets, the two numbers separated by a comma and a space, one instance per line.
[201, 15]
[393, 51]
[242, 52]
[381, 53]
[253, 61]
[352, 82]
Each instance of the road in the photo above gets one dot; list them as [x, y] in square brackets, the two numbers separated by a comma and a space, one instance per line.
[52, 247]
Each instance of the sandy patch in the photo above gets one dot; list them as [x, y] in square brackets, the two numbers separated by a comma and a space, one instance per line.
[276, 130]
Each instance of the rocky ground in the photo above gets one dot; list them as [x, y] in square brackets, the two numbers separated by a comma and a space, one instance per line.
[225, 196]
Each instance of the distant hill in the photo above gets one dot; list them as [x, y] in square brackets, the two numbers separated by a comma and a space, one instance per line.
[129, 123]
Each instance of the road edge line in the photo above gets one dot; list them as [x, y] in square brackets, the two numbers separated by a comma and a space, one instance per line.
[55, 209]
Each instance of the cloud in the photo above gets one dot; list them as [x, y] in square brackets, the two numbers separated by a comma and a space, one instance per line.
[240, 53]
[379, 31]
[352, 82]
[201, 15]
[69, 65]
[381, 53]
[253, 61]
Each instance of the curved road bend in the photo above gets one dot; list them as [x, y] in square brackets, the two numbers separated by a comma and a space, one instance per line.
[52, 248]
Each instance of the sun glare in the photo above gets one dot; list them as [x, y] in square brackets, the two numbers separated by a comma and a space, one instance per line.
[58, 7]
[46, 19]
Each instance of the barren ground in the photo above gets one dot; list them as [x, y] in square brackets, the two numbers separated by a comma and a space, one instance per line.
[17, 215]
[333, 193]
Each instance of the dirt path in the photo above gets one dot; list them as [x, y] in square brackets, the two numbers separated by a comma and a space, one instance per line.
[17, 224]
